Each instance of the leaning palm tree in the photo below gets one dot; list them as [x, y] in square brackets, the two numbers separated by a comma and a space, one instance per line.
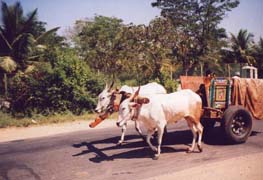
[20, 38]
[20, 34]
[241, 45]
[16, 32]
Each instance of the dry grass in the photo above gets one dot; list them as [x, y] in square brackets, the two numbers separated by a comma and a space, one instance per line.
[8, 121]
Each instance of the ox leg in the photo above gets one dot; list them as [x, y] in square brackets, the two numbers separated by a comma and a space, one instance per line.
[138, 129]
[200, 134]
[148, 140]
[194, 131]
[160, 137]
[123, 130]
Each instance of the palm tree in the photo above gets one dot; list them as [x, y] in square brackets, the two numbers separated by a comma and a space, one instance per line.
[20, 38]
[258, 54]
[16, 32]
[241, 45]
[20, 34]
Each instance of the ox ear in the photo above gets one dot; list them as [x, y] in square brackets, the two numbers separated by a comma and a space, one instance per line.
[142, 100]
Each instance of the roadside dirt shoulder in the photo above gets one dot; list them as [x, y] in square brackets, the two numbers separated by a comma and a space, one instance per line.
[241, 168]
[18, 133]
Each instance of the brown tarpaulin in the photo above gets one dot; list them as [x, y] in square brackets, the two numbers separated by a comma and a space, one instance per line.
[197, 84]
[191, 82]
[248, 93]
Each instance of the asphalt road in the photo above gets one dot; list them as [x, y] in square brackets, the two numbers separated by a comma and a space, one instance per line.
[94, 155]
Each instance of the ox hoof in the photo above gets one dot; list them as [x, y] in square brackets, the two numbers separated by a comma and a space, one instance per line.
[120, 143]
[189, 150]
[156, 157]
[200, 148]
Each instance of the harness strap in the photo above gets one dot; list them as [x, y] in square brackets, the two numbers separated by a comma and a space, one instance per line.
[113, 107]
[114, 103]
[136, 112]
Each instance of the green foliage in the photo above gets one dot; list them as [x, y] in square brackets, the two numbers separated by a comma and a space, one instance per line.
[16, 32]
[169, 84]
[241, 46]
[258, 54]
[126, 51]
[77, 82]
[69, 86]
[6, 120]
[197, 25]
[98, 42]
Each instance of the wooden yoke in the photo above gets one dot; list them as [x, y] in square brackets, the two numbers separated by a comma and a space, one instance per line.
[99, 119]
[115, 101]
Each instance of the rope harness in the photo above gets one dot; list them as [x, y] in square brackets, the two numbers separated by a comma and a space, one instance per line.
[114, 104]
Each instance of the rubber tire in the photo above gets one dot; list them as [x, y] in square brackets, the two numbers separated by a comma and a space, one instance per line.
[227, 121]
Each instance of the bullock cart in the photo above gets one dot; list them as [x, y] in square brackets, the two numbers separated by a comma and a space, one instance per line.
[233, 102]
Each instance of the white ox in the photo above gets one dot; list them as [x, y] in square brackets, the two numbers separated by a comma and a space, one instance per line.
[156, 111]
[109, 100]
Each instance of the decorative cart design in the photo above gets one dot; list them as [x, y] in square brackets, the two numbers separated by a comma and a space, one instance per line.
[232, 102]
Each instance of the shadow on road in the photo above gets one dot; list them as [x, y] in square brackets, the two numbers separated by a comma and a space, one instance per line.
[215, 136]
[140, 149]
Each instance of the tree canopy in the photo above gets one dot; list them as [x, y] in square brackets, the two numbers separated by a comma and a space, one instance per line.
[197, 22]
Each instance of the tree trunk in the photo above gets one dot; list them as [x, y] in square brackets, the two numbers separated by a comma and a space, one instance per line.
[5, 83]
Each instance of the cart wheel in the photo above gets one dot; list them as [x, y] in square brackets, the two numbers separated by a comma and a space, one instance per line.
[237, 124]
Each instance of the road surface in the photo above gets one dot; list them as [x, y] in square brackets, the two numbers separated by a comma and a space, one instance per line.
[94, 155]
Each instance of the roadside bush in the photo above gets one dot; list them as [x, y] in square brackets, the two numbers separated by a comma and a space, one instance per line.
[169, 84]
[69, 85]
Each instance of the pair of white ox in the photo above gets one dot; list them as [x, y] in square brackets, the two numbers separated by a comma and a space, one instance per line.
[155, 111]
[110, 99]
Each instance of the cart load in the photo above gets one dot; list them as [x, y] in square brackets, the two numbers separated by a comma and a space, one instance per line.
[232, 102]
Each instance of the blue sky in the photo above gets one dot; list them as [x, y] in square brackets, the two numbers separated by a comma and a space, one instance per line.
[63, 13]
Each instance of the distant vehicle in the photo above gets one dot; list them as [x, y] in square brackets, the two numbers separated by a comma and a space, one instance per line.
[249, 72]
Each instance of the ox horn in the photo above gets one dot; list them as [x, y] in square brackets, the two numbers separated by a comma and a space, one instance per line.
[111, 85]
[135, 94]
[106, 86]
